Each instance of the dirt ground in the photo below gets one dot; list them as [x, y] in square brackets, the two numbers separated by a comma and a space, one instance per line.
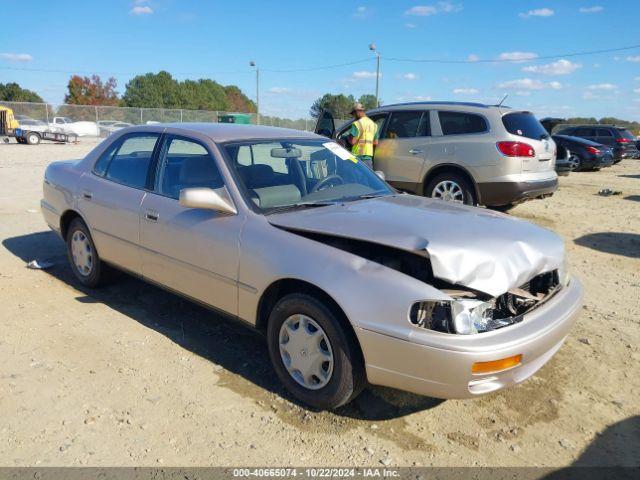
[131, 375]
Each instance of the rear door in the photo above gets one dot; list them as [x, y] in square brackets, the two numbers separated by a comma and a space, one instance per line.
[403, 146]
[586, 132]
[111, 196]
[605, 136]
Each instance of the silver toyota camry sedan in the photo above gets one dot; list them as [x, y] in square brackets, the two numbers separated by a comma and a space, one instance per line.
[350, 281]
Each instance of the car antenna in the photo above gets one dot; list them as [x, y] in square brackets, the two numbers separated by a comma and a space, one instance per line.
[503, 99]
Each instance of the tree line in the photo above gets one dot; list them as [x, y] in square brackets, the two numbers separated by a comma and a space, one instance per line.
[151, 90]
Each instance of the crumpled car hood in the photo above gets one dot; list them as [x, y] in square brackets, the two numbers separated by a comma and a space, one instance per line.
[480, 249]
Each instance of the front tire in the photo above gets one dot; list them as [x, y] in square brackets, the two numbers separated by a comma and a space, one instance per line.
[316, 359]
[83, 256]
[452, 187]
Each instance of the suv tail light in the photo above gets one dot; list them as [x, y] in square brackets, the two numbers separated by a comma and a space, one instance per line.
[515, 149]
[593, 150]
[622, 140]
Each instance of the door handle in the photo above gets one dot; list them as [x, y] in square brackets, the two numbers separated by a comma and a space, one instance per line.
[416, 151]
[87, 194]
[151, 216]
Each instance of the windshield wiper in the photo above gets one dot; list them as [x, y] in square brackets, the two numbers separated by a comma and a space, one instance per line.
[300, 206]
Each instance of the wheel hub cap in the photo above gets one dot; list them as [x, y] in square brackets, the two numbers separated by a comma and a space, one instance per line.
[448, 190]
[306, 352]
[81, 253]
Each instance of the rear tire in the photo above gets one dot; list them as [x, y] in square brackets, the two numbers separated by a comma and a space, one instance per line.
[343, 376]
[83, 256]
[451, 186]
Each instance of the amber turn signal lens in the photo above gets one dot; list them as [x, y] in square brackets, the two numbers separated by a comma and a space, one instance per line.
[496, 365]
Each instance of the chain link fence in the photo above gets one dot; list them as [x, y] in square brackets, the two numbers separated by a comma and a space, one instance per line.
[100, 121]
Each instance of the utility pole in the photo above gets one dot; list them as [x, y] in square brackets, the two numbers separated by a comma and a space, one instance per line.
[253, 64]
[372, 47]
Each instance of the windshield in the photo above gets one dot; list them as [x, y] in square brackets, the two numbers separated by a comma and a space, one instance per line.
[282, 174]
[524, 124]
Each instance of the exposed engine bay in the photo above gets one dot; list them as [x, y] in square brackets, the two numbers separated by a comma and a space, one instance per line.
[471, 311]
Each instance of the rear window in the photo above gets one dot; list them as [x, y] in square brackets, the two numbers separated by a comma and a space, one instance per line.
[458, 123]
[524, 124]
[624, 133]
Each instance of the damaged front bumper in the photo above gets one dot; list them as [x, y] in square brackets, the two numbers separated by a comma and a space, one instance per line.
[441, 365]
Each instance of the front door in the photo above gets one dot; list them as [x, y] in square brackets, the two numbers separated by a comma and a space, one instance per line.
[403, 147]
[193, 251]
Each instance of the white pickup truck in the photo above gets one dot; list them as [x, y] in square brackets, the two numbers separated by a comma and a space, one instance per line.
[82, 129]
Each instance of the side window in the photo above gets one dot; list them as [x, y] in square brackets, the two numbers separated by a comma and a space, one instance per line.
[185, 164]
[459, 123]
[584, 132]
[245, 155]
[130, 163]
[100, 167]
[379, 121]
[603, 132]
[405, 125]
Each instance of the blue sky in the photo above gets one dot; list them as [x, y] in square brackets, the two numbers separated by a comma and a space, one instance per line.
[217, 39]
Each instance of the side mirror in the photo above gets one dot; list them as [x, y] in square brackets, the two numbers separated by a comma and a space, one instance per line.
[381, 174]
[217, 200]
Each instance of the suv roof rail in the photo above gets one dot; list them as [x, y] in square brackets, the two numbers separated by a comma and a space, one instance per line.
[463, 104]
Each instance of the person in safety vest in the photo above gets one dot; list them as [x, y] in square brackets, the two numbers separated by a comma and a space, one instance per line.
[363, 135]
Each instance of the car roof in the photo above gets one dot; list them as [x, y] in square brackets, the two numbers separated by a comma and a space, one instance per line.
[431, 104]
[229, 132]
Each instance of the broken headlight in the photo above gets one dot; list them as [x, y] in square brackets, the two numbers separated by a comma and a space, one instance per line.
[464, 316]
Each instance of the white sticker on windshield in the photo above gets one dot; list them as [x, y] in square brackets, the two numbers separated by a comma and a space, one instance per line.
[340, 152]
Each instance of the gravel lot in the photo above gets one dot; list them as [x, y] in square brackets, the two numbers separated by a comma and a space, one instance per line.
[131, 375]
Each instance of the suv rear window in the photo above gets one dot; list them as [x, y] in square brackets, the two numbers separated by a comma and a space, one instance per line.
[624, 133]
[524, 124]
[458, 123]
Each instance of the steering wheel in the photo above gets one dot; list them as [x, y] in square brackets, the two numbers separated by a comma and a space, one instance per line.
[318, 186]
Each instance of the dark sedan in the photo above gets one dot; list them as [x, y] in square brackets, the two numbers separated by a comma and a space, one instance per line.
[585, 154]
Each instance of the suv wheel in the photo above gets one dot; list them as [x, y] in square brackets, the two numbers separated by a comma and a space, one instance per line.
[451, 186]
[316, 360]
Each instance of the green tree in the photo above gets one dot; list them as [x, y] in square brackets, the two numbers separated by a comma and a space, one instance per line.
[153, 90]
[368, 101]
[339, 105]
[91, 91]
[12, 92]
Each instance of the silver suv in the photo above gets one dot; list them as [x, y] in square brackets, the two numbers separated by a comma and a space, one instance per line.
[466, 152]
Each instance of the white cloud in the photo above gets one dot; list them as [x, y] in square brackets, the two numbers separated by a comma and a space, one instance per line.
[473, 57]
[428, 10]
[409, 76]
[410, 25]
[634, 59]
[523, 84]
[636, 90]
[141, 10]
[561, 67]
[465, 91]
[594, 9]
[602, 86]
[361, 12]
[522, 93]
[637, 79]
[538, 12]
[364, 74]
[278, 90]
[517, 56]
[16, 57]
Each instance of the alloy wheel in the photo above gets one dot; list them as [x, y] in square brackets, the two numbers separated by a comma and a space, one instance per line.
[448, 190]
[82, 253]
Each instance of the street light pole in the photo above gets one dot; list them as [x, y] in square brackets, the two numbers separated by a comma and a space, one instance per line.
[253, 64]
[372, 47]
